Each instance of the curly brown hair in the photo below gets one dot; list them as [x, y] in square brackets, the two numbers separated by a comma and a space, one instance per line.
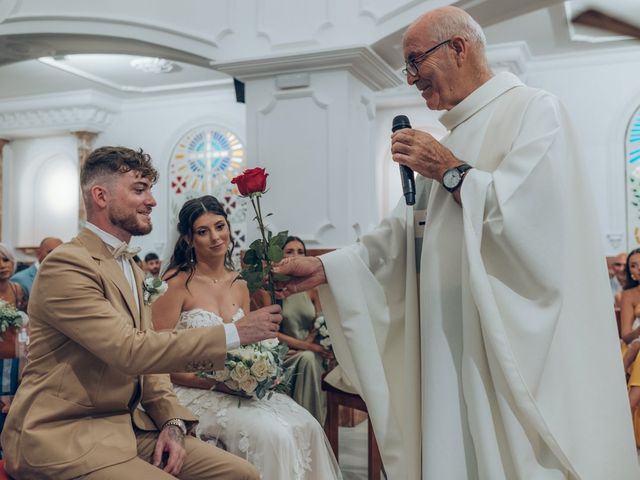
[109, 161]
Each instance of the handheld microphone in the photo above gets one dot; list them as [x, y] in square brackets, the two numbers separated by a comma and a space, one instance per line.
[406, 174]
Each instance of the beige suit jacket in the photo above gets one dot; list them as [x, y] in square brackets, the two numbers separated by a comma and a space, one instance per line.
[93, 361]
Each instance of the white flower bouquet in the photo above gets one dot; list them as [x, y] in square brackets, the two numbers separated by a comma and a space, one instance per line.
[322, 332]
[255, 370]
[9, 317]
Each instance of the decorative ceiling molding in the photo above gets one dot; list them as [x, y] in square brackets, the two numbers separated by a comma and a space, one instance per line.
[112, 22]
[7, 7]
[54, 114]
[318, 18]
[587, 58]
[52, 62]
[381, 11]
[513, 57]
[361, 61]
[581, 33]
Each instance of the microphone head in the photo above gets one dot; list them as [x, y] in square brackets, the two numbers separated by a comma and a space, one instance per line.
[399, 122]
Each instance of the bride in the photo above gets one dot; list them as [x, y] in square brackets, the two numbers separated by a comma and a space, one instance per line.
[278, 436]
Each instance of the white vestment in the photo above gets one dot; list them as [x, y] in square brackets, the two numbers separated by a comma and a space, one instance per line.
[503, 363]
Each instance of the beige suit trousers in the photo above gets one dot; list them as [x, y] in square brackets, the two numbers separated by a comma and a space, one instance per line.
[204, 462]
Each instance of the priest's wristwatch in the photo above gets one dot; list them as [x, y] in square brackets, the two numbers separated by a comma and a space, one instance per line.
[177, 422]
[452, 178]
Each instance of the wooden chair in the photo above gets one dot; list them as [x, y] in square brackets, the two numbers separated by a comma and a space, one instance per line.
[336, 398]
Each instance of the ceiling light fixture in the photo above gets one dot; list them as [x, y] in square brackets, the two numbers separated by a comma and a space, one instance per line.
[153, 65]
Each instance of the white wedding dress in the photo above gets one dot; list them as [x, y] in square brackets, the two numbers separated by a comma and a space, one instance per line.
[278, 436]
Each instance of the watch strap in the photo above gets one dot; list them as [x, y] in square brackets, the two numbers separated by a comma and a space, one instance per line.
[462, 169]
[176, 422]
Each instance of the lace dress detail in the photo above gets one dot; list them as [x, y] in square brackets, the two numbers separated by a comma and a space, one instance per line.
[278, 436]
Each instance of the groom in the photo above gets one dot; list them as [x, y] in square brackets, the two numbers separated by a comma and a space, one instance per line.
[94, 403]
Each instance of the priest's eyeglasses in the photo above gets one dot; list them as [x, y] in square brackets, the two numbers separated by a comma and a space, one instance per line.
[411, 66]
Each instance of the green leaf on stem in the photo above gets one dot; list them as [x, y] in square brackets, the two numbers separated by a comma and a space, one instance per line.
[279, 239]
[252, 278]
[275, 253]
[280, 277]
[258, 247]
[251, 257]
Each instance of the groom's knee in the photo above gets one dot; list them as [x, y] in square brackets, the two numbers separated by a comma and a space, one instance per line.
[247, 472]
[206, 462]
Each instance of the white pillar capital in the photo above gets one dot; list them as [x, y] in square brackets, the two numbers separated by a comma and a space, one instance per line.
[85, 145]
[361, 61]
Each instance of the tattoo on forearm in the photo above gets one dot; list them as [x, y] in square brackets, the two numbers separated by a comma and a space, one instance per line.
[175, 434]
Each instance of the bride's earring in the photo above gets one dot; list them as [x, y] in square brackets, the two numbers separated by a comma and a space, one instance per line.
[192, 256]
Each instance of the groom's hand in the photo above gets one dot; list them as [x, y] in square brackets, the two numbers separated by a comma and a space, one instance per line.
[170, 444]
[305, 273]
[259, 324]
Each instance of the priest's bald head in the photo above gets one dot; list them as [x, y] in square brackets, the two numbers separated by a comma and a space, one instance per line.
[444, 51]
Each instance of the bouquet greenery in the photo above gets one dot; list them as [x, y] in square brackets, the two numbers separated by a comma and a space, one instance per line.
[322, 332]
[10, 317]
[255, 370]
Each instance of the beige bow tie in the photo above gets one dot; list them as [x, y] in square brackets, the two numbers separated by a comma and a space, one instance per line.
[126, 251]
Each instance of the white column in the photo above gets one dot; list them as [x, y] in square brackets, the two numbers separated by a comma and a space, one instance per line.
[310, 123]
[3, 142]
[85, 145]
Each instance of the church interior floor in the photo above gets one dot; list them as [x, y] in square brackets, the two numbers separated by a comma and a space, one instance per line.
[353, 452]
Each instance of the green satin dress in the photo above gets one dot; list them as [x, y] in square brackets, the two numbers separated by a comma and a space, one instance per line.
[298, 315]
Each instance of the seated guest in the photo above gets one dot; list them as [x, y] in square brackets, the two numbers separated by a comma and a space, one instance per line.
[25, 277]
[14, 295]
[276, 434]
[630, 333]
[630, 309]
[94, 357]
[307, 357]
[617, 277]
[138, 261]
[152, 264]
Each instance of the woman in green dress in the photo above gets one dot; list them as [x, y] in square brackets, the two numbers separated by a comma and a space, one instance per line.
[307, 357]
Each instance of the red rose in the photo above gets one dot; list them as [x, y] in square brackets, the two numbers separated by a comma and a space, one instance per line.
[253, 180]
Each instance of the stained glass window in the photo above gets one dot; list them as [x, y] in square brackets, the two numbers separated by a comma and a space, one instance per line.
[203, 163]
[633, 181]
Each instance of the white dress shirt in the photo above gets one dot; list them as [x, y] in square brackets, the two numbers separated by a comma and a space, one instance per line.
[230, 330]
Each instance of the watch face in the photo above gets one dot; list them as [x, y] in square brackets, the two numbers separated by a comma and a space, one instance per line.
[451, 178]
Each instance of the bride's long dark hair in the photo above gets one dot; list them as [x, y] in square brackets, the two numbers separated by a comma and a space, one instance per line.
[184, 255]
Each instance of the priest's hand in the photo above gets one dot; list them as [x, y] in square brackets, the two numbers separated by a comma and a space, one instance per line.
[259, 325]
[422, 153]
[305, 272]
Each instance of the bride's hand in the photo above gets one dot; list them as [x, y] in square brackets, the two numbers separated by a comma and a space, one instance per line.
[221, 387]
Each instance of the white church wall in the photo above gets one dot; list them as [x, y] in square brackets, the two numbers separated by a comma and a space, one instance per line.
[600, 101]
[407, 101]
[44, 190]
[155, 125]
